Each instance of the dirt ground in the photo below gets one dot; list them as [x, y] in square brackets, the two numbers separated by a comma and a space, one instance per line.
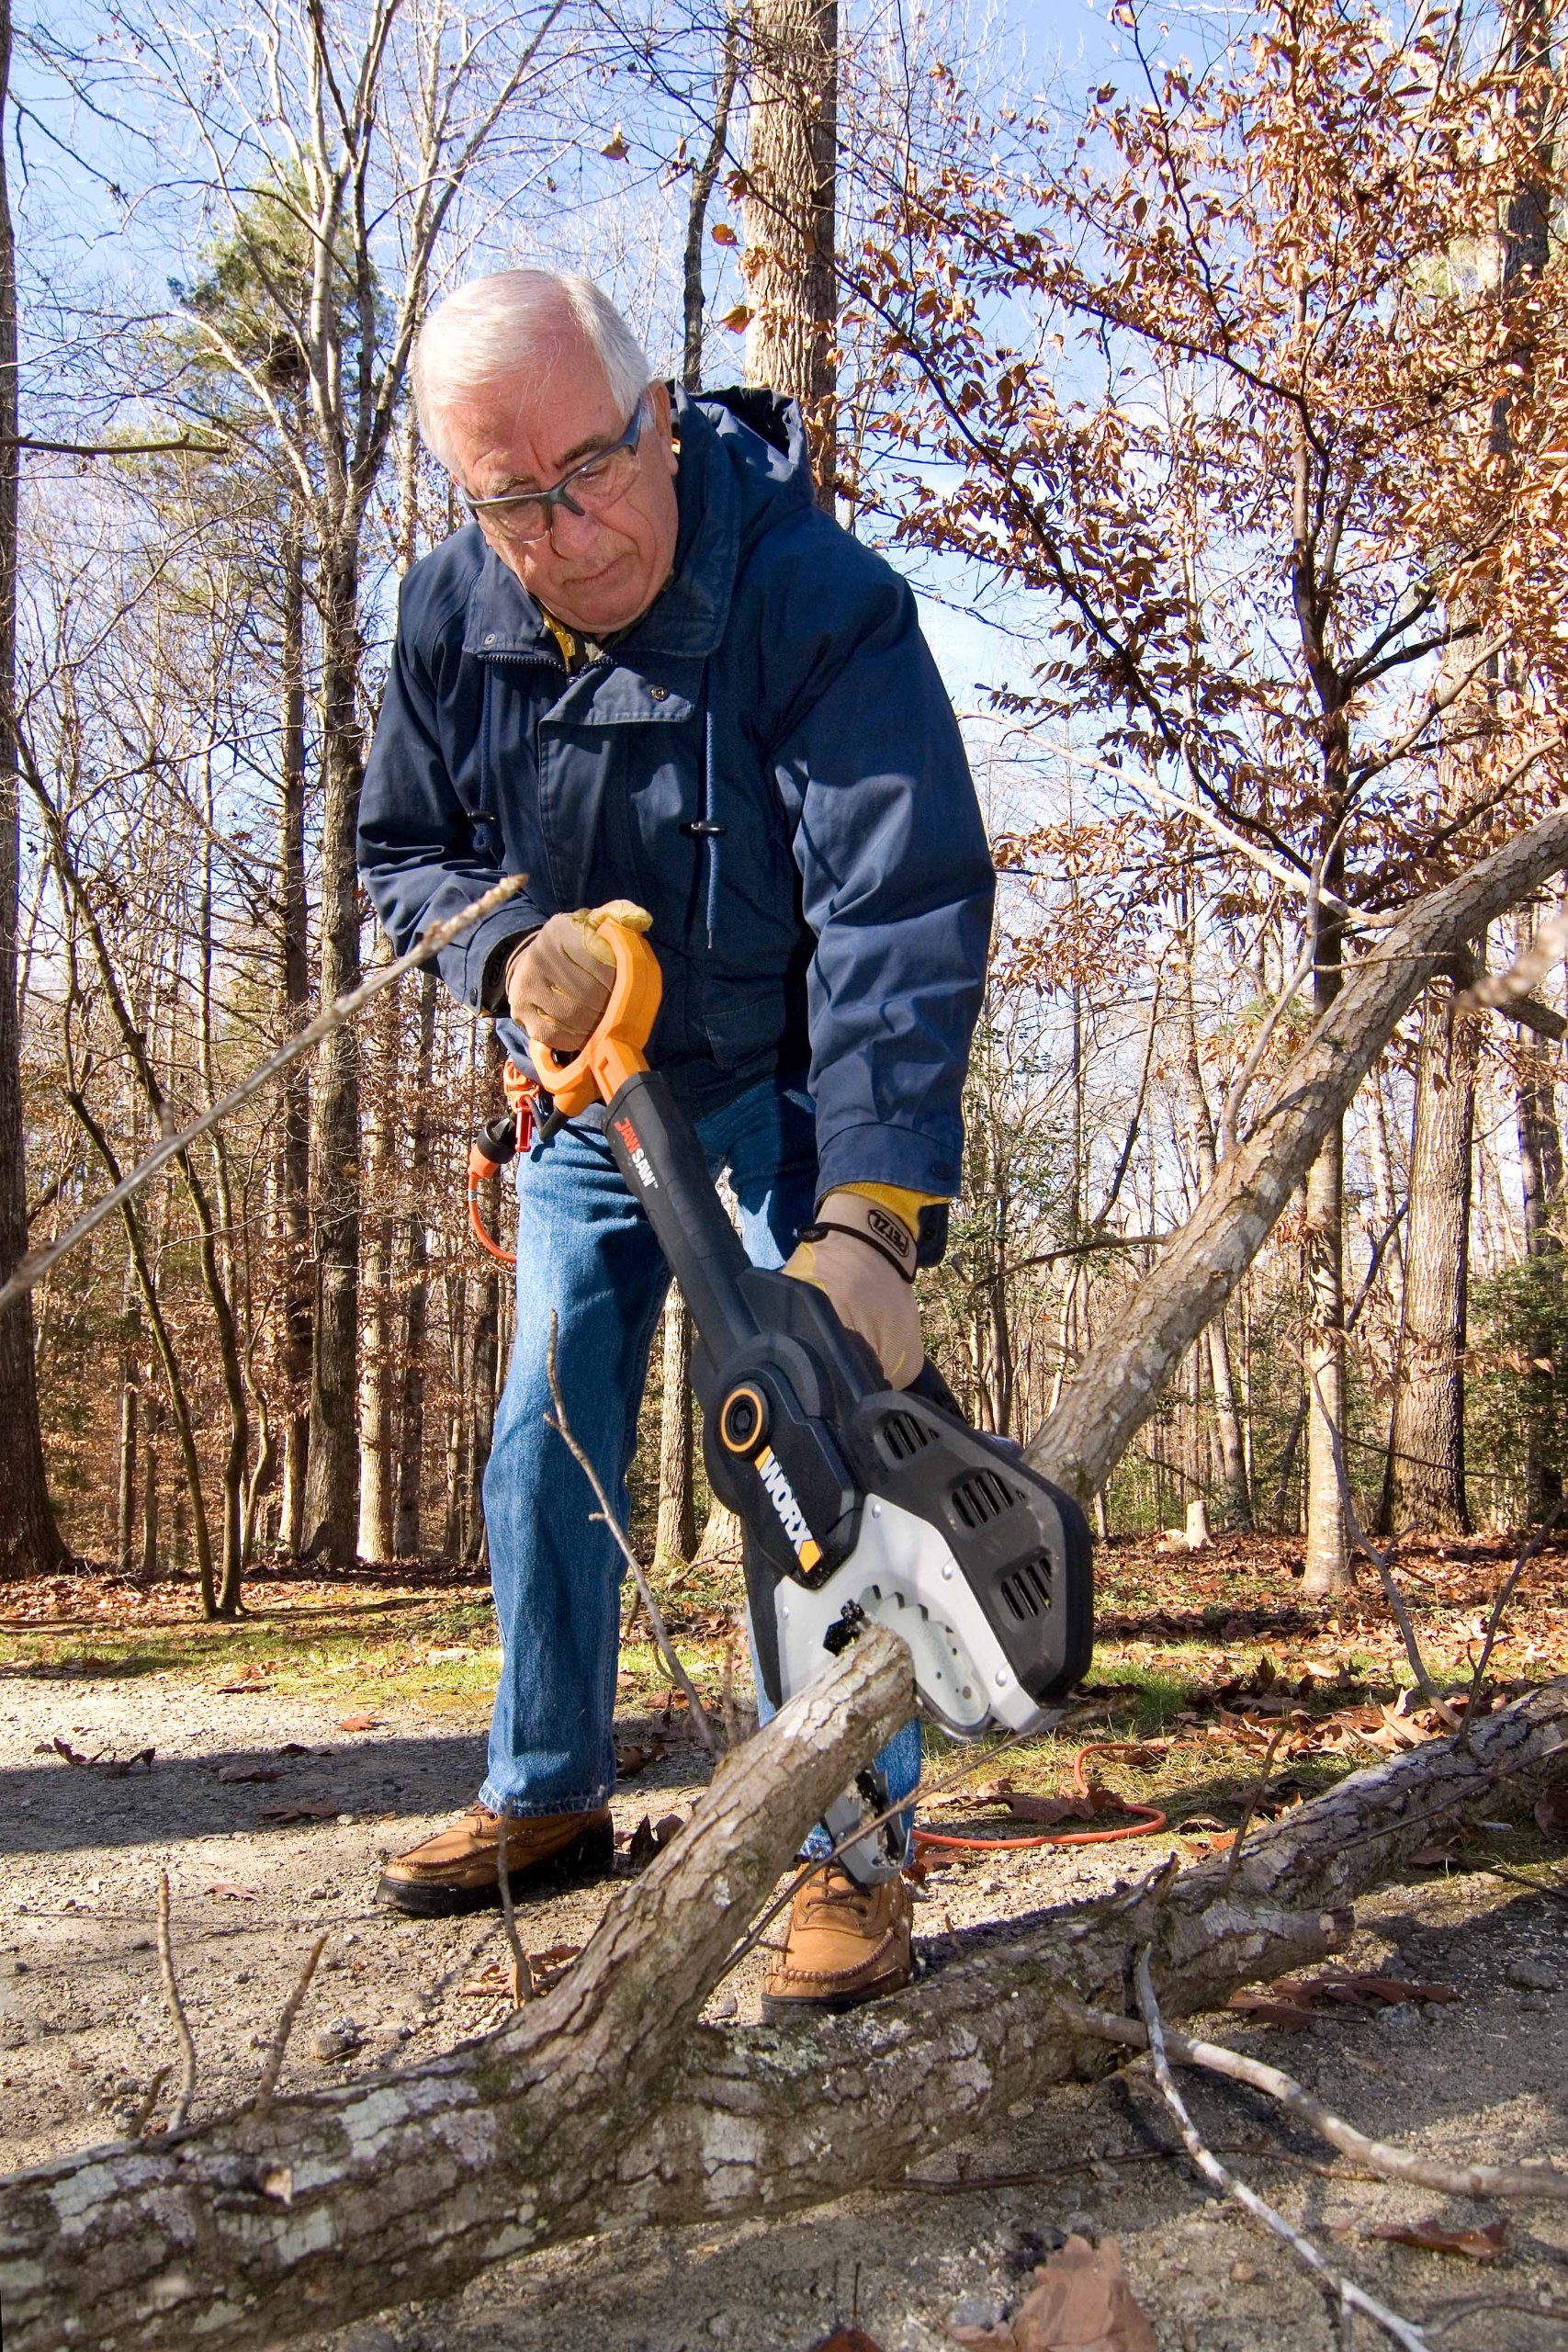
[238, 1749]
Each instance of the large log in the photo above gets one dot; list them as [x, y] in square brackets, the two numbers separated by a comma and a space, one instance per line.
[1111, 1394]
[605, 2103]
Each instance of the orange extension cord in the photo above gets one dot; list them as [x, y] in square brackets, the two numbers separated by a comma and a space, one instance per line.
[1150, 1817]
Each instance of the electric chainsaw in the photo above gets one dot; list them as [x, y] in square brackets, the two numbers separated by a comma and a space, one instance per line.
[859, 1503]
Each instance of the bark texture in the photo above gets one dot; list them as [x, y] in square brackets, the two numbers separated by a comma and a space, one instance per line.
[294, 998]
[1114, 1389]
[677, 1536]
[790, 216]
[603, 2104]
[1427, 1453]
[332, 1489]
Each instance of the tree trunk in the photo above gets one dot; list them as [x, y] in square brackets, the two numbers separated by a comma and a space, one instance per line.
[791, 211]
[720, 1542]
[125, 1499]
[677, 1537]
[149, 1489]
[377, 1499]
[1541, 1179]
[605, 2103]
[1116, 1387]
[1327, 1568]
[415, 1288]
[1427, 1451]
[29, 1541]
[294, 996]
[1231, 1450]
[333, 1486]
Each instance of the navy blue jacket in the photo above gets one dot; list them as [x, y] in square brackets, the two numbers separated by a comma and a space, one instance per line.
[777, 691]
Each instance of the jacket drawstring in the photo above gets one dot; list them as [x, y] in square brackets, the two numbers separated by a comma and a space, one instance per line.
[704, 828]
[711, 831]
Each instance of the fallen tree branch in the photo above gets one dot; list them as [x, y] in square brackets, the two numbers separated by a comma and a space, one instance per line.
[605, 2104]
[335, 2202]
[1105, 1402]
[1341, 2290]
[1378, 2156]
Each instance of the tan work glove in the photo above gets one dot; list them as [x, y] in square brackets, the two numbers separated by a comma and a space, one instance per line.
[557, 983]
[864, 1261]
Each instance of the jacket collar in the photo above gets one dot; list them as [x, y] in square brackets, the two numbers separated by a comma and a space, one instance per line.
[686, 618]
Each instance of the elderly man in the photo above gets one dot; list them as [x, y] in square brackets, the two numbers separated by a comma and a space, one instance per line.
[652, 670]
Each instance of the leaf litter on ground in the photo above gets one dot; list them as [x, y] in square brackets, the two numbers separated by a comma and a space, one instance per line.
[1082, 2303]
[1481, 2242]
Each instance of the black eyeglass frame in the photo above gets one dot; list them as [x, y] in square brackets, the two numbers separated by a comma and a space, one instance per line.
[561, 494]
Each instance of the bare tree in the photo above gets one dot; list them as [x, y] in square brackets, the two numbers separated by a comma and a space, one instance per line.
[29, 1541]
[791, 215]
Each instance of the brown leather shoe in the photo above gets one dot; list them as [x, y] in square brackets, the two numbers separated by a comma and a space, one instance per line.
[847, 1943]
[457, 1870]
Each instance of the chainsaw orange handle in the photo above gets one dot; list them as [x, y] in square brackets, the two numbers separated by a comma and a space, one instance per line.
[613, 1053]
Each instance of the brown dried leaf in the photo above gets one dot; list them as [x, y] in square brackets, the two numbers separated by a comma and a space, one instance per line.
[233, 1893]
[1083, 2304]
[847, 2339]
[1480, 2242]
[301, 1809]
[555, 1955]
[114, 1768]
[1284, 2015]
[633, 1756]
[642, 1845]
[247, 1772]
[361, 1722]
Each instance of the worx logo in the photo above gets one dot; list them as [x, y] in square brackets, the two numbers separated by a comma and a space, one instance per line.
[638, 1158]
[792, 1518]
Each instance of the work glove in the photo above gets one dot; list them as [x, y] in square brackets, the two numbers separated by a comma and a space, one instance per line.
[558, 983]
[861, 1255]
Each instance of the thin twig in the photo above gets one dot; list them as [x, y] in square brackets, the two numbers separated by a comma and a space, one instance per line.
[1465, 2306]
[1380, 1561]
[332, 1017]
[523, 1986]
[1380, 2156]
[1344, 2290]
[1499, 1605]
[1522, 1878]
[1259, 1790]
[177, 2008]
[278, 2048]
[701, 1723]
[149, 2100]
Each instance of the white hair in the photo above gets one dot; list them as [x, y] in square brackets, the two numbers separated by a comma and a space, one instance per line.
[505, 325]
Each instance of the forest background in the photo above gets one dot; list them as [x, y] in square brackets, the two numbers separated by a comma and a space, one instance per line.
[1205, 369]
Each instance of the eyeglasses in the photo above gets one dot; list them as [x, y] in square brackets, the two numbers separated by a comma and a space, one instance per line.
[588, 489]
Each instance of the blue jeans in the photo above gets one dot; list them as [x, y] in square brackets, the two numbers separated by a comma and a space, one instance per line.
[586, 1254]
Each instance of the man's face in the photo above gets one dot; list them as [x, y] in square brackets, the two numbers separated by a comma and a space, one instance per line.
[597, 572]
